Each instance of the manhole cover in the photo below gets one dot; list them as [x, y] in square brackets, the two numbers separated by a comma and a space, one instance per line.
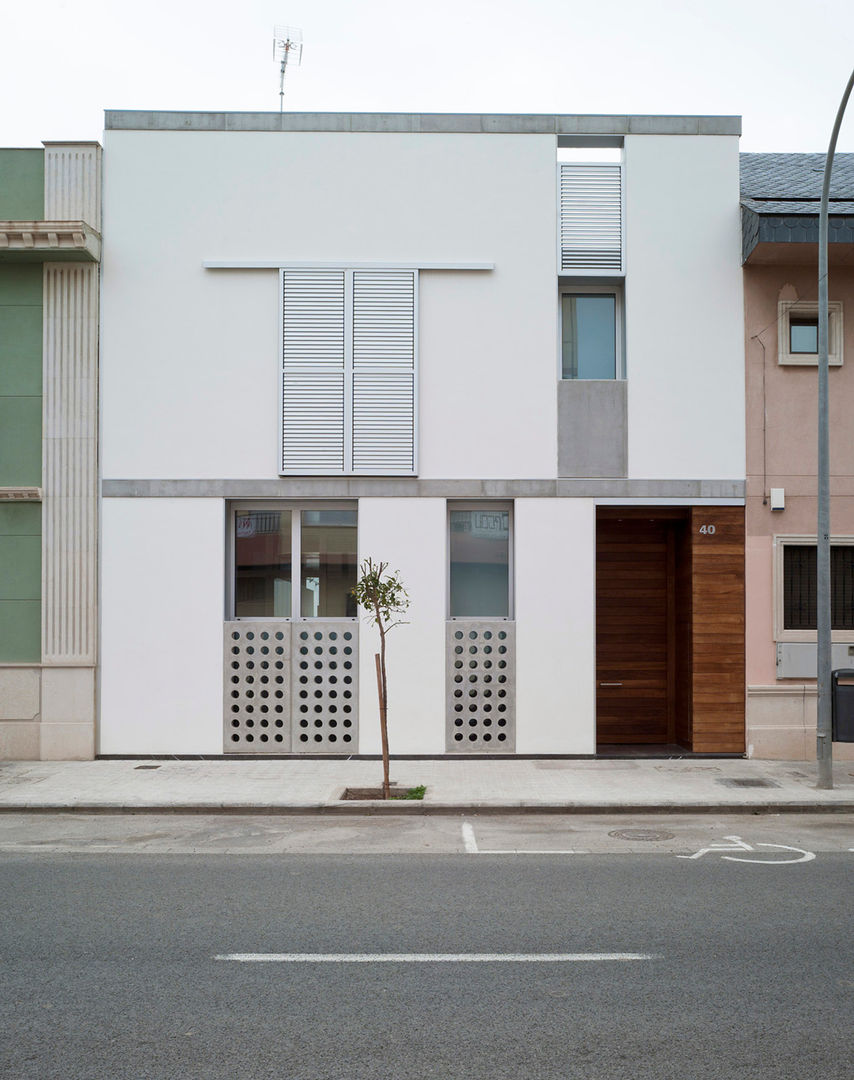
[641, 834]
[138, 767]
[742, 782]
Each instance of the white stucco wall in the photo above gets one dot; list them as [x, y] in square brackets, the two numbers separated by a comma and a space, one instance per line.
[189, 356]
[161, 626]
[410, 535]
[684, 321]
[555, 555]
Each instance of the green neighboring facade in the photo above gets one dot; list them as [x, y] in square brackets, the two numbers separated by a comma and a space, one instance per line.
[21, 303]
[21, 185]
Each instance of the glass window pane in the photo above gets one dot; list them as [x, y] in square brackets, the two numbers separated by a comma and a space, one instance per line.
[329, 559]
[262, 564]
[480, 563]
[799, 587]
[589, 338]
[803, 335]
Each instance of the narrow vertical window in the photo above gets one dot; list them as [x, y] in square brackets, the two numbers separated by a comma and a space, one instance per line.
[329, 558]
[480, 562]
[263, 564]
[589, 335]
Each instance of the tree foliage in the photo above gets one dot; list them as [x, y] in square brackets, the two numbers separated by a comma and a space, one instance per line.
[381, 593]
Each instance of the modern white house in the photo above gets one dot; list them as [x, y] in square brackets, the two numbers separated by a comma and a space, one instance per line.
[502, 353]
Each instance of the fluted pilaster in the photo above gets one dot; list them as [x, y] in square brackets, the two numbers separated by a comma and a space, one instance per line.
[70, 464]
[72, 182]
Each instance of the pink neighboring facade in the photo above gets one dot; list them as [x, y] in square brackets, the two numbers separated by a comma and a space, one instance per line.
[781, 453]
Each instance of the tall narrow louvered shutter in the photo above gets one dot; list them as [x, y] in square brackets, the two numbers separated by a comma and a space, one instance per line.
[313, 371]
[384, 371]
[591, 225]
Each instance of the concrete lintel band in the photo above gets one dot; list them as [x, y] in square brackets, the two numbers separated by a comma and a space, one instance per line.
[450, 123]
[306, 487]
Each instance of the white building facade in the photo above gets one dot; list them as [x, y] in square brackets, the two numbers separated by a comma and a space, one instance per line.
[503, 354]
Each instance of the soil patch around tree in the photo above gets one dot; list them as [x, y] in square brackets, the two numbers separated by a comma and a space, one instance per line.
[396, 792]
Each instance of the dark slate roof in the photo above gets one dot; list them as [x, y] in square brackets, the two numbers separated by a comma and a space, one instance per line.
[791, 183]
[781, 194]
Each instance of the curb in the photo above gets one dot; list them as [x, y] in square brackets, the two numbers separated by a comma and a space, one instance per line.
[414, 807]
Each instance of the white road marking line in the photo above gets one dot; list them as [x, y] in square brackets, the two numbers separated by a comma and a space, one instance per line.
[431, 958]
[805, 856]
[470, 844]
[737, 844]
[529, 851]
[468, 839]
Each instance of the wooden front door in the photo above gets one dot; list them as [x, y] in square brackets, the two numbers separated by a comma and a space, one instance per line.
[635, 624]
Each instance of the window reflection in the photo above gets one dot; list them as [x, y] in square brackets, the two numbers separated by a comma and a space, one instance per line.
[328, 563]
[480, 563]
[589, 336]
[263, 571]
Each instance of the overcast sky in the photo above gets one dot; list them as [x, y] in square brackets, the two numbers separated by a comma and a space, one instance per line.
[781, 65]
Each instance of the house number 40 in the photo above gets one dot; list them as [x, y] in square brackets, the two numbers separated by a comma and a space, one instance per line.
[707, 530]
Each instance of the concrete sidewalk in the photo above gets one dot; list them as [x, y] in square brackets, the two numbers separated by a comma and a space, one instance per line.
[453, 784]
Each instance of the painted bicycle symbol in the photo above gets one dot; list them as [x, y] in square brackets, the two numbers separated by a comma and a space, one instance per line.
[737, 844]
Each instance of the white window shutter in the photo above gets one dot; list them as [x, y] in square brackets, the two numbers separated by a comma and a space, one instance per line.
[591, 226]
[313, 371]
[384, 349]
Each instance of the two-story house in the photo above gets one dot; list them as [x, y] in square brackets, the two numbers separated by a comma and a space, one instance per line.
[502, 353]
[780, 203]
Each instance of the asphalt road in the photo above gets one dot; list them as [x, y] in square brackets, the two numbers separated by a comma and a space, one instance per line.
[109, 962]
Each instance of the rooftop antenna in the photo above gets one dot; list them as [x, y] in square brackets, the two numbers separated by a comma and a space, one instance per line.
[287, 49]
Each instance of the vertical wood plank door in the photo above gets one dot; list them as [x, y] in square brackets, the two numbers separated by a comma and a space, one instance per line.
[633, 630]
[717, 579]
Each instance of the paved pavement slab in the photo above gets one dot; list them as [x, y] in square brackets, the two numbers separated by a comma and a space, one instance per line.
[453, 785]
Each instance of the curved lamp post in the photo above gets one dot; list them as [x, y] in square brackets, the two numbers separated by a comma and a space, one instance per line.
[824, 744]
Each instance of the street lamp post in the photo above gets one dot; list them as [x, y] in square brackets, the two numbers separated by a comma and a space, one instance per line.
[824, 743]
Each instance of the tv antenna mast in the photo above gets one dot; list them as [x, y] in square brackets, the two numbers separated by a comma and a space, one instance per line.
[287, 49]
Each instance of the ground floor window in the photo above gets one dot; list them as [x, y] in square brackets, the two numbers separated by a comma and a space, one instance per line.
[292, 561]
[479, 563]
[799, 586]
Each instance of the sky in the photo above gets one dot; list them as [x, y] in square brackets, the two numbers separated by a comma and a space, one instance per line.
[781, 65]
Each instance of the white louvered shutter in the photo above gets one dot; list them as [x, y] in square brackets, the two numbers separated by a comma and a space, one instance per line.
[384, 304]
[591, 226]
[313, 371]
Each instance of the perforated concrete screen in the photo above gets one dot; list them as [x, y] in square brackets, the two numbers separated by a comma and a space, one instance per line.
[257, 697]
[325, 687]
[291, 687]
[480, 684]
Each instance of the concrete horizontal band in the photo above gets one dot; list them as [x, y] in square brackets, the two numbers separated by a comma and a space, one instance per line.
[335, 487]
[443, 123]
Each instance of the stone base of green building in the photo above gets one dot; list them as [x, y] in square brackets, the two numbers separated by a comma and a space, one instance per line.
[47, 713]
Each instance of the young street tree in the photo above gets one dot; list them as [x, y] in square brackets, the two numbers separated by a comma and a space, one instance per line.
[381, 593]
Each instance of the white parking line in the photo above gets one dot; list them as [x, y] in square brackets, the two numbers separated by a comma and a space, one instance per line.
[470, 844]
[431, 958]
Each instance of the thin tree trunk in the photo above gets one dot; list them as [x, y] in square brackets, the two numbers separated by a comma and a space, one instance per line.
[383, 700]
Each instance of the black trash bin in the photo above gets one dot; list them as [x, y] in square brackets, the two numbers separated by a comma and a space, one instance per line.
[842, 697]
